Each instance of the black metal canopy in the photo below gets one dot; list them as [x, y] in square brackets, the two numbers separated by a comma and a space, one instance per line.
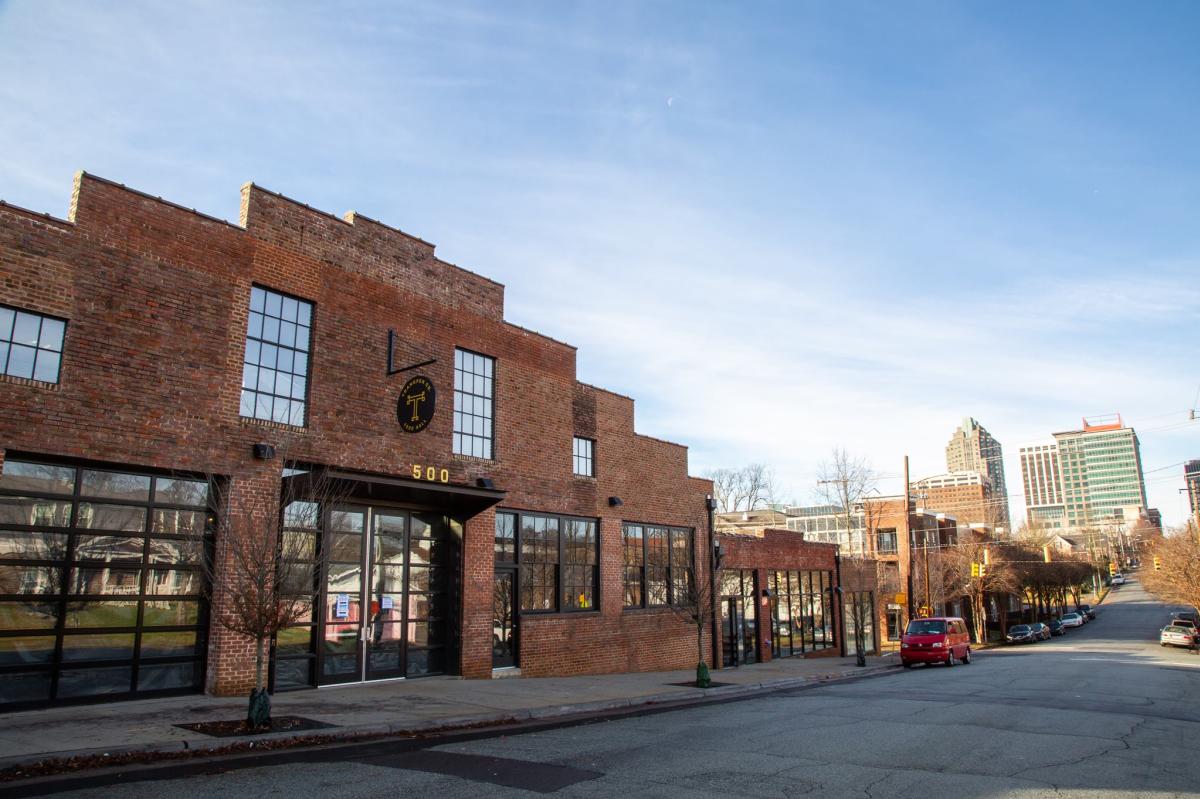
[459, 501]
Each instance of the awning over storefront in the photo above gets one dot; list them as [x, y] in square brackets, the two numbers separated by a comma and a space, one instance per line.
[455, 500]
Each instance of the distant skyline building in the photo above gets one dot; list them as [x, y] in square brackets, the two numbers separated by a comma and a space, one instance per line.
[1086, 478]
[973, 449]
[1043, 486]
[1191, 475]
[966, 496]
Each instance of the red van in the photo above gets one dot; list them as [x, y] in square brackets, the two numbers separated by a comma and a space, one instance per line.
[938, 640]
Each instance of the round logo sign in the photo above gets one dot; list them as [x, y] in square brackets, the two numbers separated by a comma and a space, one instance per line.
[417, 401]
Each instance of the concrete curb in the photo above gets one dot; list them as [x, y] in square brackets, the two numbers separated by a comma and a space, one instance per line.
[246, 744]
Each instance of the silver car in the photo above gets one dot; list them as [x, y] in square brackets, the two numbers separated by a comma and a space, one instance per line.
[1174, 635]
[1072, 620]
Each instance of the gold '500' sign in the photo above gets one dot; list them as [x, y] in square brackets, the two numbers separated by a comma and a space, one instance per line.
[430, 473]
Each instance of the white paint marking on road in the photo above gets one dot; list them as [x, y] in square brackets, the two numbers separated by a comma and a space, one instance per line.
[1128, 662]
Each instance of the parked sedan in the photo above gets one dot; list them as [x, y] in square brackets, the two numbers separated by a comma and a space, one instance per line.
[1056, 627]
[1176, 635]
[1187, 624]
[1040, 631]
[1087, 611]
[1020, 634]
[1072, 620]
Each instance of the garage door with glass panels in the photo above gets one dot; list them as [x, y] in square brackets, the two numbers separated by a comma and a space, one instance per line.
[100, 583]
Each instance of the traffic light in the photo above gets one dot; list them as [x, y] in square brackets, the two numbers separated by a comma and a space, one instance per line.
[1157, 563]
[983, 570]
[974, 569]
[1112, 567]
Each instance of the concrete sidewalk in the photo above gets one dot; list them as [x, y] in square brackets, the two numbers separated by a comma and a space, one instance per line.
[390, 708]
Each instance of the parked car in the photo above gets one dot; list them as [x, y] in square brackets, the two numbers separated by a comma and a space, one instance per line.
[1020, 634]
[1186, 615]
[1177, 635]
[936, 640]
[1056, 627]
[1087, 609]
[1040, 631]
[1178, 621]
[1072, 620]
[1118, 579]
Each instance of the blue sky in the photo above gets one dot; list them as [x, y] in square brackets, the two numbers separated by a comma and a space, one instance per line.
[781, 227]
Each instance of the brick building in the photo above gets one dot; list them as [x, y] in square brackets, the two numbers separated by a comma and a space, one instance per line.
[148, 352]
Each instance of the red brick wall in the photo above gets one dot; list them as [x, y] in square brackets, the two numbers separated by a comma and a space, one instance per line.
[157, 297]
[779, 550]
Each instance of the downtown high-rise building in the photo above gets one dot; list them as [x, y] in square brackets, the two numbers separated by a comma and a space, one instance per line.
[1043, 486]
[972, 449]
[1191, 474]
[1086, 478]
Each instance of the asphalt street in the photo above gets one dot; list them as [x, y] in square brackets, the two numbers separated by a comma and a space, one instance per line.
[1103, 711]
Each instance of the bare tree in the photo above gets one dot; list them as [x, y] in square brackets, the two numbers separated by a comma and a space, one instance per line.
[844, 482]
[745, 488]
[262, 574]
[695, 607]
[1176, 575]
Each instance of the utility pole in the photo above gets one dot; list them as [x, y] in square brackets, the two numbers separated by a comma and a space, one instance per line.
[909, 538]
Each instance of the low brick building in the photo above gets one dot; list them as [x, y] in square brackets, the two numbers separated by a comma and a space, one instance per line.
[778, 594]
[499, 515]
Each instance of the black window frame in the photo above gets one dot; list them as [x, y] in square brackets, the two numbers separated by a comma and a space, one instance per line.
[73, 563]
[294, 348]
[587, 461]
[561, 607]
[672, 579]
[458, 436]
[6, 339]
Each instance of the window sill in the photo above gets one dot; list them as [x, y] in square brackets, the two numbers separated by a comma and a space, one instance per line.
[472, 458]
[249, 421]
[30, 382]
[652, 609]
[541, 614]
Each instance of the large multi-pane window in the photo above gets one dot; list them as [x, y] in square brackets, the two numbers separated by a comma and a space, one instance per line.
[885, 542]
[801, 614]
[275, 365]
[557, 559]
[30, 344]
[101, 582]
[474, 377]
[583, 461]
[658, 565]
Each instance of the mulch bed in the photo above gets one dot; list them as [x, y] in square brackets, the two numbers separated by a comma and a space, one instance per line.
[229, 729]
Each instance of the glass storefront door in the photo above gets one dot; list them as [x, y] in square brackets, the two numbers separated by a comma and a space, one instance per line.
[385, 601]
[504, 619]
[739, 624]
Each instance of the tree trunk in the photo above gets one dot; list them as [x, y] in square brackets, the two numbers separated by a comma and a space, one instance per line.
[258, 715]
[860, 657]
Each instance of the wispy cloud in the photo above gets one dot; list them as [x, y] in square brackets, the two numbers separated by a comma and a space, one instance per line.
[846, 229]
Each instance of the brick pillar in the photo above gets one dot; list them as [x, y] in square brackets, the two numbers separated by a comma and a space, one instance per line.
[253, 498]
[763, 608]
[478, 569]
